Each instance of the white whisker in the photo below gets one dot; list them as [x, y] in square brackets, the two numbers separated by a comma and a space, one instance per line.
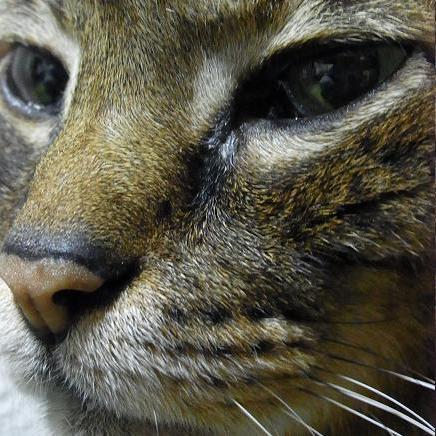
[371, 415]
[156, 423]
[424, 384]
[389, 398]
[297, 417]
[378, 405]
[354, 412]
[411, 379]
[293, 413]
[378, 355]
[252, 418]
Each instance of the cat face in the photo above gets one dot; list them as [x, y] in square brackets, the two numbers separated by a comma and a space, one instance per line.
[213, 212]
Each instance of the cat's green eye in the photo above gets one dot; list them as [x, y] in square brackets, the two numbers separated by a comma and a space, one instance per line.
[324, 83]
[34, 81]
[290, 87]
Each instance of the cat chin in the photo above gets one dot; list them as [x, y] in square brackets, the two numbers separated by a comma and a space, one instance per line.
[69, 420]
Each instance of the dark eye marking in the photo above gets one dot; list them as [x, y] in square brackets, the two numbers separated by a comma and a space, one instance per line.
[209, 168]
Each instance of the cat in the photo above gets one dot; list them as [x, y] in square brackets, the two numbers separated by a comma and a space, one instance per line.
[216, 216]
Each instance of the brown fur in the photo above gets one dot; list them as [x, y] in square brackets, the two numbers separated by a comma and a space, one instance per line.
[313, 242]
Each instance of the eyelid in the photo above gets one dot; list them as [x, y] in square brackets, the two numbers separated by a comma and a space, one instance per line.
[316, 25]
[43, 50]
[64, 48]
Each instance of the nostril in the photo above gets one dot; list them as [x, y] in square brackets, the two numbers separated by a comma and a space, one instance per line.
[77, 302]
[66, 297]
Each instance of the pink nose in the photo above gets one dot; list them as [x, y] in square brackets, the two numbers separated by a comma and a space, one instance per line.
[34, 285]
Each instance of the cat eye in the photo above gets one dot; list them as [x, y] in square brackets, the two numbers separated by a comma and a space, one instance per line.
[318, 84]
[34, 81]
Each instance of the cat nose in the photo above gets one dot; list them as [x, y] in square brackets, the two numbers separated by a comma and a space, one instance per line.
[39, 285]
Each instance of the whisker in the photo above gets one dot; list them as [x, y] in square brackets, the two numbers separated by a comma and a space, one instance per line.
[380, 393]
[389, 398]
[300, 421]
[376, 404]
[378, 355]
[371, 415]
[293, 413]
[430, 386]
[156, 423]
[424, 384]
[353, 411]
[252, 418]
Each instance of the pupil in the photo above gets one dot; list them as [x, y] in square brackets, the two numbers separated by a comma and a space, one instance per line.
[345, 76]
[43, 78]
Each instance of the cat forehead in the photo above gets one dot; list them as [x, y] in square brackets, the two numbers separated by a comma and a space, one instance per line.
[142, 18]
[188, 7]
[202, 9]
